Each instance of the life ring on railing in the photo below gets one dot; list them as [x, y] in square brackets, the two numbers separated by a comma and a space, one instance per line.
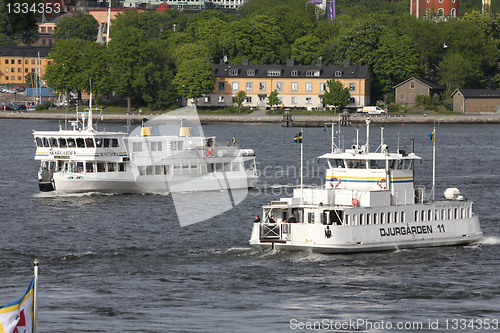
[212, 152]
[355, 202]
[335, 182]
[381, 184]
[209, 152]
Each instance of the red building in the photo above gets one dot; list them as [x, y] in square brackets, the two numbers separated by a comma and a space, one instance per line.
[421, 8]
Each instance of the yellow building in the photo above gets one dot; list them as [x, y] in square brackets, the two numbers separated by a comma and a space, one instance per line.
[17, 61]
[298, 86]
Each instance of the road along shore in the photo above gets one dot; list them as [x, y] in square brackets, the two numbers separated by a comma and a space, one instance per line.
[297, 120]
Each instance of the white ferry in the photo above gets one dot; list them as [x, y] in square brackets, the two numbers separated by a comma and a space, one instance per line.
[166, 154]
[369, 203]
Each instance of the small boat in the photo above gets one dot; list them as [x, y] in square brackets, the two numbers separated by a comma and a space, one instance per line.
[168, 153]
[368, 203]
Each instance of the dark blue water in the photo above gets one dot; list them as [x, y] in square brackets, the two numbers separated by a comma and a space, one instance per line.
[122, 263]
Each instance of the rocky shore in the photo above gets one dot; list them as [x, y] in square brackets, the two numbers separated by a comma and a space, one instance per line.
[297, 120]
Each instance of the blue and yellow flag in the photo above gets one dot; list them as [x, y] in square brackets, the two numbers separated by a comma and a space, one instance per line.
[18, 315]
[102, 117]
[234, 140]
[431, 136]
[298, 138]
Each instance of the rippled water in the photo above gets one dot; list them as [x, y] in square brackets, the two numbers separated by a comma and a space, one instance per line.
[122, 263]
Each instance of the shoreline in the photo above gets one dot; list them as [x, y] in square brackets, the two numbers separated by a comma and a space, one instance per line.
[298, 120]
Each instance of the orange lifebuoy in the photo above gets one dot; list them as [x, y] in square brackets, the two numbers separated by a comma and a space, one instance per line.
[335, 182]
[355, 202]
[207, 152]
[212, 152]
[380, 183]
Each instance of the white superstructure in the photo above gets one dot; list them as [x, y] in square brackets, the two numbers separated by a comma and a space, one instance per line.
[166, 154]
[369, 203]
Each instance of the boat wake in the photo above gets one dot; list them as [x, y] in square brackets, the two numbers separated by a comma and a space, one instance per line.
[56, 194]
[490, 240]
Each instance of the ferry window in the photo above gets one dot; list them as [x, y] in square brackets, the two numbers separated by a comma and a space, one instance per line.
[166, 169]
[436, 214]
[136, 146]
[415, 217]
[236, 166]
[310, 217]
[121, 167]
[180, 145]
[53, 142]
[79, 166]
[39, 142]
[443, 214]
[111, 167]
[210, 167]
[98, 142]
[203, 168]
[400, 165]
[375, 218]
[89, 142]
[71, 142]
[114, 143]
[158, 169]
[368, 219]
[62, 143]
[149, 170]
[218, 167]
[106, 143]
[60, 165]
[154, 146]
[392, 164]
[382, 218]
[160, 147]
[396, 217]
[462, 213]
[389, 216]
[336, 217]
[422, 215]
[80, 143]
[376, 164]
[354, 219]
[227, 167]
[449, 214]
[46, 142]
[142, 170]
[347, 219]
[356, 164]
[338, 163]
[101, 167]
[456, 213]
[403, 217]
[361, 219]
[429, 215]
[89, 167]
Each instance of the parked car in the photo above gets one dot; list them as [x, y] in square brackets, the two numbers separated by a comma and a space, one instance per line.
[5, 107]
[373, 110]
[20, 107]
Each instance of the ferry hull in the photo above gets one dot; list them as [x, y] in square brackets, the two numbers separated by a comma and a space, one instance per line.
[349, 239]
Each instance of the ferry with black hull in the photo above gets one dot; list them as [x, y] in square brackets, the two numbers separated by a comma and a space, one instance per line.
[368, 203]
[166, 154]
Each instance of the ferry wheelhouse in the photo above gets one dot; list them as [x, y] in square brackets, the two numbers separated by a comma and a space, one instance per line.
[165, 154]
[368, 203]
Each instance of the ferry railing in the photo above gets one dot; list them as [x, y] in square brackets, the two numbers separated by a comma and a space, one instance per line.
[275, 231]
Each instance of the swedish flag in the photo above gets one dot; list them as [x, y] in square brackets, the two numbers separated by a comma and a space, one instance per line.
[298, 138]
[431, 136]
[233, 141]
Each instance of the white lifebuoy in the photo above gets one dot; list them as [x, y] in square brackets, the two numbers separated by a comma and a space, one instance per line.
[335, 182]
[381, 184]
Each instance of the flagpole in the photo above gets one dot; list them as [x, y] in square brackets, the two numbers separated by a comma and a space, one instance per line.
[433, 163]
[35, 295]
[301, 168]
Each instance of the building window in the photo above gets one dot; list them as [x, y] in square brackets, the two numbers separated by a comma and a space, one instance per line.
[249, 99]
[249, 87]
[13, 78]
[295, 86]
[207, 99]
[32, 70]
[295, 73]
[272, 72]
[322, 87]
[222, 86]
[440, 12]
[6, 61]
[43, 30]
[281, 100]
[338, 73]
[50, 41]
[19, 78]
[12, 61]
[26, 70]
[32, 61]
[251, 72]
[308, 100]
[19, 70]
[26, 61]
[294, 100]
[235, 86]
[49, 30]
[6, 78]
[18, 61]
[6, 69]
[262, 87]
[352, 100]
[352, 87]
[13, 70]
[412, 85]
[453, 12]
[279, 86]
[221, 99]
[309, 87]
[233, 72]
[44, 42]
[313, 73]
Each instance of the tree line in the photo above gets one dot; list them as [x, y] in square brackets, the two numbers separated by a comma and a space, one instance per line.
[155, 57]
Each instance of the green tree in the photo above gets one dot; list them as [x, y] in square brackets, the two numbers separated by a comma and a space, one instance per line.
[128, 54]
[189, 51]
[336, 95]
[273, 99]
[239, 99]
[306, 49]
[456, 71]
[194, 79]
[81, 26]
[23, 25]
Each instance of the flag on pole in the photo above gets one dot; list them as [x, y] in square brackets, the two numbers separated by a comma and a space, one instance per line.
[431, 136]
[101, 116]
[298, 138]
[18, 315]
[234, 140]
